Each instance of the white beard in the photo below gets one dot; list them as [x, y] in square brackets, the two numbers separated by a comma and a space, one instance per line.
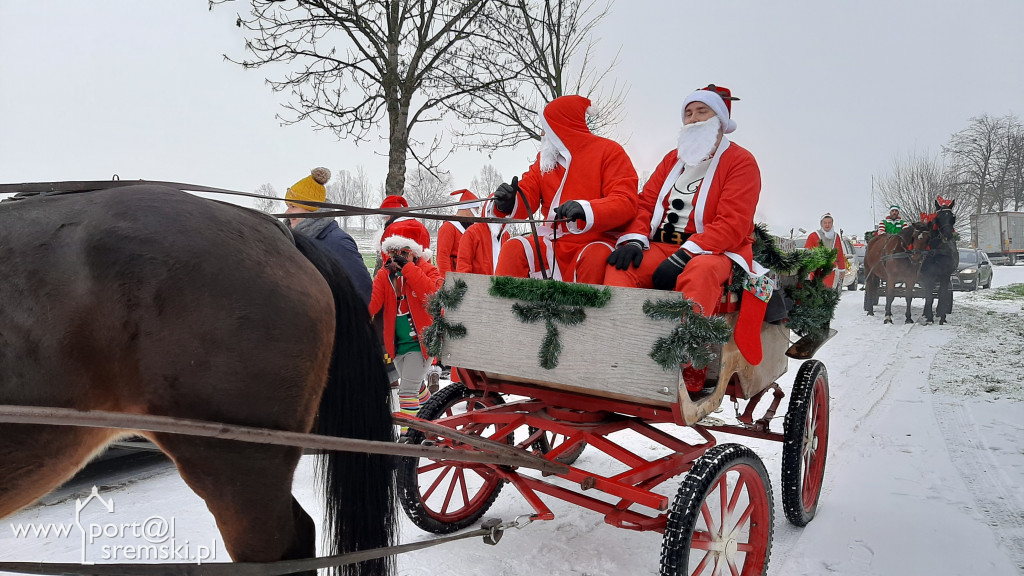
[548, 154]
[828, 238]
[697, 141]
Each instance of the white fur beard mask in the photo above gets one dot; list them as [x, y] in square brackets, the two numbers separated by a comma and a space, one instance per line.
[548, 154]
[697, 140]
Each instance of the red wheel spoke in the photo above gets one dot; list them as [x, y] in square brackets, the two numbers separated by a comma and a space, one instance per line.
[701, 540]
[703, 563]
[431, 466]
[465, 486]
[732, 566]
[736, 493]
[747, 547]
[706, 514]
[456, 477]
[436, 483]
[745, 516]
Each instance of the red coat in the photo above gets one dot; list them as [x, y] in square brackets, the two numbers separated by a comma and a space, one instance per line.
[480, 246]
[421, 281]
[813, 240]
[600, 177]
[726, 213]
[448, 238]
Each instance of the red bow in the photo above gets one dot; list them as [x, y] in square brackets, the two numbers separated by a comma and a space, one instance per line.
[943, 202]
[927, 217]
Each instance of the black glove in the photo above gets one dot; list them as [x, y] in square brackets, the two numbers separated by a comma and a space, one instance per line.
[665, 275]
[396, 262]
[505, 196]
[629, 252]
[571, 211]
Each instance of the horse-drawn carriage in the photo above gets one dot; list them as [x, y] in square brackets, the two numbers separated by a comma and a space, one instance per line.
[604, 386]
[200, 324]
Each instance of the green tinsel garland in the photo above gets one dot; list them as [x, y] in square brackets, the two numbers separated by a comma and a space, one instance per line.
[550, 301]
[814, 303]
[691, 341]
[444, 299]
[536, 290]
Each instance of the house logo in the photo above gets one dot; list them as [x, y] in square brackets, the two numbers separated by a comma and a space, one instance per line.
[80, 505]
[108, 539]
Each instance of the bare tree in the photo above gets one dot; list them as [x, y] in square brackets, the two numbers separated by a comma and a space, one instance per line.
[341, 190]
[548, 53]
[1008, 180]
[363, 194]
[914, 184]
[424, 188]
[971, 154]
[352, 64]
[485, 183]
[379, 219]
[267, 204]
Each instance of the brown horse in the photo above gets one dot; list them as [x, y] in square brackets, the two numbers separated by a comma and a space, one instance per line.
[147, 300]
[894, 258]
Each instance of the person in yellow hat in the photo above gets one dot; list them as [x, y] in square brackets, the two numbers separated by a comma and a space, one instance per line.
[325, 231]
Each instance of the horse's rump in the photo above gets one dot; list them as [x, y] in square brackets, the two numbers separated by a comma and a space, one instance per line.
[124, 299]
[149, 300]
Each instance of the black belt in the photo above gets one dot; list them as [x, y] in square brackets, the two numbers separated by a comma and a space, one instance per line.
[670, 236]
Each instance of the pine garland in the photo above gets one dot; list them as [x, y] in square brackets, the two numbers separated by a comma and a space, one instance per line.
[444, 299]
[553, 302]
[692, 340]
[814, 306]
[535, 290]
[814, 303]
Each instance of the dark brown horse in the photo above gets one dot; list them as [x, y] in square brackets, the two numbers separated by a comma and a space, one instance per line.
[941, 261]
[894, 258]
[148, 300]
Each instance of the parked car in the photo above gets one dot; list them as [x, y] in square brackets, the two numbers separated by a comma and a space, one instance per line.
[975, 270]
[859, 250]
[852, 277]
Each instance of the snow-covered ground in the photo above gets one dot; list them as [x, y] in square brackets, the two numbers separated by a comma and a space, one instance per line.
[925, 471]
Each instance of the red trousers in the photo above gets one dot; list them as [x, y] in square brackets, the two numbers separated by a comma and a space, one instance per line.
[586, 266]
[701, 281]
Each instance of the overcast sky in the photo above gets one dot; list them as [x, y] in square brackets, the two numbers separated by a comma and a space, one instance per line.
[832, 93]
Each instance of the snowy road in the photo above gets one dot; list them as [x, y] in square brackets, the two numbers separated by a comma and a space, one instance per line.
[924, 476]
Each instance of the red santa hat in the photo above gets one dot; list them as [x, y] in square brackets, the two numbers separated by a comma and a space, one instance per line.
[394, 201]
[407, 234]
[718, 99]
[465, 195]
[825, 215]
[565, 118]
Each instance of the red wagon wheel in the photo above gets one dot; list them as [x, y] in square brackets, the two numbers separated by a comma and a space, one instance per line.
[721, 521]
[442, 497]
[805, 445]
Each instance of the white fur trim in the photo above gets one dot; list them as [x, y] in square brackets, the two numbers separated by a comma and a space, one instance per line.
[715, 102]
[588, 210]
[638, 237]
[698, 210]
[399, 242]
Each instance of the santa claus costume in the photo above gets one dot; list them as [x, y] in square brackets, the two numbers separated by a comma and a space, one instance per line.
[573, 164]
[829, 239]
[401, 292]
[481, 245]
[451, 231]
[706, 208]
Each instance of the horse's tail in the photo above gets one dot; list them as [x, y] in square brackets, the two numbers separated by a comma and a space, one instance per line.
[359, 488]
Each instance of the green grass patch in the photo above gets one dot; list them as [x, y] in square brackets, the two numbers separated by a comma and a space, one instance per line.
[1008, 292]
